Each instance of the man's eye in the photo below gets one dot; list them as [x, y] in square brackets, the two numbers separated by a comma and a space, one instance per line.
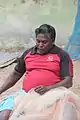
[44, 42]
[38, 41]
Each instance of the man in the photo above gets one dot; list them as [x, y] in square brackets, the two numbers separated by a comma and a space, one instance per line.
[46, 67]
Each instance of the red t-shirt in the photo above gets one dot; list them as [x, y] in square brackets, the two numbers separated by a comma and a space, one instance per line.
[47, 69]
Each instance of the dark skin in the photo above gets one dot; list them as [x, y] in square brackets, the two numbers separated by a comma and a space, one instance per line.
[67, 82]
[43, 43]
[11, 81]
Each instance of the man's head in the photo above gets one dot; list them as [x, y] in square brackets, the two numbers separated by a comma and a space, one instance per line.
[45, 38]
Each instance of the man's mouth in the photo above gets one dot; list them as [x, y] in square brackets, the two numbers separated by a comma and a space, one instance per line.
[41, 48]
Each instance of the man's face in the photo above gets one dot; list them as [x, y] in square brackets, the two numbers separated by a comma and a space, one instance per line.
[43, 43]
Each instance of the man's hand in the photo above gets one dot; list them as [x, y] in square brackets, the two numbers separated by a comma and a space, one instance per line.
[42, 89]
[67, 82]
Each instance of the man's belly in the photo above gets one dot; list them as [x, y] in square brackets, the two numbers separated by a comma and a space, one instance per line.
[39, 77]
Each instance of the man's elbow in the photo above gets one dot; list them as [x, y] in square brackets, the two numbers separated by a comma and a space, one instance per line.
[70, 84]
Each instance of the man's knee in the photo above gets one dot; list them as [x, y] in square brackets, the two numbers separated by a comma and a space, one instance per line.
[5, 114]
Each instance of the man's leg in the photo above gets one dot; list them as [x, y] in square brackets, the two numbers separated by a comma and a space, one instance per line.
[5, 114]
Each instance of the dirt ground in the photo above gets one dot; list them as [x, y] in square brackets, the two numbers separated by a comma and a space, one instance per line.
[6, 71]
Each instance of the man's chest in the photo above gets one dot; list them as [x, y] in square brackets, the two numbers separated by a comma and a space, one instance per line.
[48, 61]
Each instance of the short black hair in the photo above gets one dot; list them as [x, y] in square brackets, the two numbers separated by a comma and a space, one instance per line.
[46, 29]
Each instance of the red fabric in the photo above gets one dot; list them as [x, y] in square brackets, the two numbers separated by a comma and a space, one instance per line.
[41, 70]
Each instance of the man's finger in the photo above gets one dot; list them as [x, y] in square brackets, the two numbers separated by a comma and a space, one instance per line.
[41, 90]
[39, 87]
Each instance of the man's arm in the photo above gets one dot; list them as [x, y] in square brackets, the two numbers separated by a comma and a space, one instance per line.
[11, 81]
[67, 82]
[18, 72]
[66, 73]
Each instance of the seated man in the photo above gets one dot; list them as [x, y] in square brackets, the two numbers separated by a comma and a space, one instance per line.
[46, 67]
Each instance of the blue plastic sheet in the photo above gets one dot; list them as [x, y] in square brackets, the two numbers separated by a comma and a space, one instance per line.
[73, 46]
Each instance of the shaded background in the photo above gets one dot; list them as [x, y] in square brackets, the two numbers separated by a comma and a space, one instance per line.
[19, 18]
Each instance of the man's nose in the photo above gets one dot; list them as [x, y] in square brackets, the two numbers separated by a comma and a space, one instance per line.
[41, 44]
